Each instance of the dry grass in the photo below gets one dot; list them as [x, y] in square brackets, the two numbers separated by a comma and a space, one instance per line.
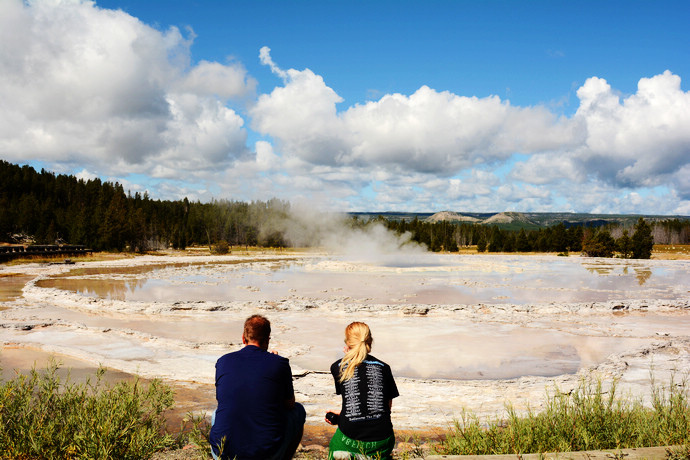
[59, 258]
[671, 252]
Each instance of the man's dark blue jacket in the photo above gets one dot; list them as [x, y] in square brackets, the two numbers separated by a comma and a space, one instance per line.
[252, 387]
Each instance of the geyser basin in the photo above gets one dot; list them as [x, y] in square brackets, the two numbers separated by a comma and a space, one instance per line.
[491, 343]
[431, 279]
[486, 318]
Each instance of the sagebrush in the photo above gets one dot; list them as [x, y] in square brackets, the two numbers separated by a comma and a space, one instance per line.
[43, 416]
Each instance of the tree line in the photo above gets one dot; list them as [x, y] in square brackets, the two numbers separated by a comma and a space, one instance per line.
[635, 242]
[47, 208]
[52, 208]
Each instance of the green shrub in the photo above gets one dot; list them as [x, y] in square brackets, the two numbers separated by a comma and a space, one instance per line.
[588, 418]
[44, 417]
[198, 434]
[221, 247]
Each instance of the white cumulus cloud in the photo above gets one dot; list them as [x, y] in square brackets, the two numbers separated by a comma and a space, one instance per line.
[427, 131]
[97, 87]
[640, 140]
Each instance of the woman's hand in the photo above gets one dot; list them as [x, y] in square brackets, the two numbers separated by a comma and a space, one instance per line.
[337, 413]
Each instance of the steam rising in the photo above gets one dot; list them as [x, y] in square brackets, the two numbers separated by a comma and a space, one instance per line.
[336, 233]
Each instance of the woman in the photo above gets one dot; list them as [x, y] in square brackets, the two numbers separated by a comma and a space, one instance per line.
[367, 388]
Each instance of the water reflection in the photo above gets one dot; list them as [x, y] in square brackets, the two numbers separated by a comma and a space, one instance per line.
[114, 289]
[11, 287]
[603, 269]
[432, 280]
[642, 274]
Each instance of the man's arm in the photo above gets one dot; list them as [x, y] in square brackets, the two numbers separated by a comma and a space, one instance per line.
[289, 389]
[290, 402]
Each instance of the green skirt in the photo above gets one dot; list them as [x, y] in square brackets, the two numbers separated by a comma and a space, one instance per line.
[342, 447]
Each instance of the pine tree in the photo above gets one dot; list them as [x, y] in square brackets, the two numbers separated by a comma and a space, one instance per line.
[521, 242]
[642, 240]
[495, 240]
[559, 238]
[481, 243]
[624, 244]
[598, 244]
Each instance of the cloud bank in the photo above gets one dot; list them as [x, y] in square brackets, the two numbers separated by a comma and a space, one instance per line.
[96, 91]
[611, 142]
[83, 85]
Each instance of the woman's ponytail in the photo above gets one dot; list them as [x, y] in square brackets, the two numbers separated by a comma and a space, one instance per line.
[358, 340]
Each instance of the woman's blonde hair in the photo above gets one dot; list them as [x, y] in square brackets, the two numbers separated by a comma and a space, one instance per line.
[358, 339]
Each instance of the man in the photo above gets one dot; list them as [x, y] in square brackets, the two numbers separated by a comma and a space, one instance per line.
[257, 417]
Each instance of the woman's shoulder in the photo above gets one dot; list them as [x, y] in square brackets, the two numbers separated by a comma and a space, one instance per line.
[371, 359]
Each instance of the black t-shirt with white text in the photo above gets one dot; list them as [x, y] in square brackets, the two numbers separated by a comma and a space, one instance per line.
[365, 414]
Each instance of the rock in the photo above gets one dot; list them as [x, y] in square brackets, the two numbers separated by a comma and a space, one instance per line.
[313, 448]
[417, 310]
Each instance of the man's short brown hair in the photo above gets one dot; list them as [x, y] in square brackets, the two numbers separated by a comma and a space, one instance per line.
[257, 328]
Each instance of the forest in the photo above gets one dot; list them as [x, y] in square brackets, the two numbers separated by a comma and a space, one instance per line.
[45, 208]
[636, 242]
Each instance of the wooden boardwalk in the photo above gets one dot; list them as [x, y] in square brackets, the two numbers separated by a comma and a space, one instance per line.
[42, 250]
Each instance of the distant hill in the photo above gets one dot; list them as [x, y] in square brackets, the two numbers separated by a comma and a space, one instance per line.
[517, 220]
[507, 218]
[511, 221]
[449, 216]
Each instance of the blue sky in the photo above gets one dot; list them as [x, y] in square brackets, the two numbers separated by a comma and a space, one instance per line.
[530, 52]
[369, 106]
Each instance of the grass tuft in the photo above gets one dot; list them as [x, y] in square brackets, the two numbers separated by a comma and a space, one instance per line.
[590, 417]
[195, 431]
